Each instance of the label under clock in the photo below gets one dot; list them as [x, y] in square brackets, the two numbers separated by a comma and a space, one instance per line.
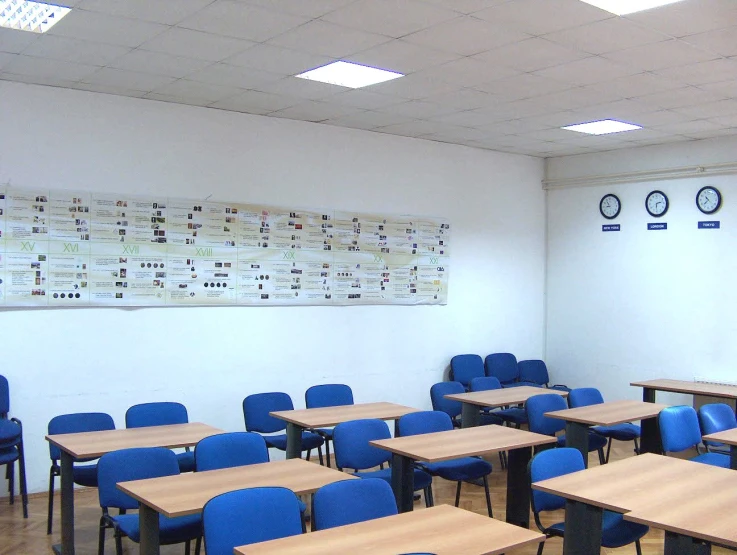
[709, 225]
[610, 227]
[657, 227]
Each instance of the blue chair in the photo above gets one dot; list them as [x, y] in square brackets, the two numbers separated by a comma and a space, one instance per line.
[459, 470]
[503, 366]
[352, 501]
[463, 368]
[328, 395]
[247, 516]
[353, 451]
[513, 415]
[11, 447]
[139, 464]
[615, 531]
[229, 450]
[161, 414]
[586, 396]
[453, 408]
[538, 405]
[535, 373]
[256, 409]
[679, 431]
[713, 418]
[84, 475]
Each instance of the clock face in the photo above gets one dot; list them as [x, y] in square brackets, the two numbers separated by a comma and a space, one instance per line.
[656, 203]
[708, 199]
[609, 206]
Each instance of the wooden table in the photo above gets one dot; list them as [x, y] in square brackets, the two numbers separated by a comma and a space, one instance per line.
[470, 402]
[683, 386]
[186, 494]
[443, 530]
[89, 445]
[628, 485]
[579, 420]
[300, 420]
[730, 438]
[469, 442]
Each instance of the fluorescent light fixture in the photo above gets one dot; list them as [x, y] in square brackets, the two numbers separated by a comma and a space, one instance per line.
[602, 127]
[623, 7]
[347, 74]
[35, 17]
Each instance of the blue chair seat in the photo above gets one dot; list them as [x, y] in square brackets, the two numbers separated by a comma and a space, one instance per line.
[422, 478]
[310, 440]
[520, 384]
[620, 432]
[615, 531]
[8, 455]
[85, 475]
[171, 530]
[457, 470]
[561, 388]
[186, 461]
[514, 415]
[9, 432]
[713, 459]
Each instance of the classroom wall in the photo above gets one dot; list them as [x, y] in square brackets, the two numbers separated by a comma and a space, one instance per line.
[638, 304]
[210, 358]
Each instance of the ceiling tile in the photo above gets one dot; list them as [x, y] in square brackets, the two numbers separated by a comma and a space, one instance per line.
[467, 6]
[412, 87]
[327, 39]
[301, 88]
[191, 91]
[587, 71]
[156, 11]
[661, 55]
[531, 55]
[686, 96]
[49, 81]
[710, 109]
[637, 85]
[364, 99]
[52, 69]
[526, 85]
[191, 101]
[75, 50]
[194, 44]
[14, 41]
[466, 36]
[711, 133]
[278, 60]
[234, 76]
[549, 15]
[255, 102]
[108, 89]
[608, 35]
[243, 21]
[401, 56]
[579, 97]
[158, 63]
[688, 127]
[6, 58]
[370, 119]
[467, 72]
[687, 18]
[314, 110]
[713, 71]
[418, 109]
[107, 29]
[723, 89]
[312, 9]
[128, 79]
[409, 129]
[722, 41]
[462, 99]
[659, 117]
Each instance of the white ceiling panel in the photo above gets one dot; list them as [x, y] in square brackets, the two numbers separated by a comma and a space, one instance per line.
[722, 41]
[301, 88]
[365, 100]
[689, 17]
[44, 67]
[703, 73]
[312, 9]
[75, 50]
[608, 35]
[327, 39]
[587, 71]
[6, 58]
[14, 41]
[106, 29]
[197, 91]
[124, 79]
[686, 96]
[197, 45]
[278, 60]
[255, 102]
[401, 56]
[234, 76]
[661, 55]
[372, 119]
[537, 17]
[531, 55]
[156, 11]
[108, 89]
[314, 110]
[467, 72]
[158, 63]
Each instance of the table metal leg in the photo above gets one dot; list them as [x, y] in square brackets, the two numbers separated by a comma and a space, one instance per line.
[675, 544]
[149, 523]
[67, 506]
[403, 482]
[294, 440]
[577, 436]
[470, 416]
[650, 437]
[582, 529]
[518, 488]
[648, 395]
[733, 457]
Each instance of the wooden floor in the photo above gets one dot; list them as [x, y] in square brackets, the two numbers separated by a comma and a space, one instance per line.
[28, 537]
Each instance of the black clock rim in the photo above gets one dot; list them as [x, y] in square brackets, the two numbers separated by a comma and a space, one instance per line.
[619, 208]
[719, 199]
[667, 203]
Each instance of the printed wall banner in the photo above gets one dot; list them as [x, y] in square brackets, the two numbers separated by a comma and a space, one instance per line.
[76, 248]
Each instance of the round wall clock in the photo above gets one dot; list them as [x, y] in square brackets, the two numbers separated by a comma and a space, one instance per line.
[656, 203]
[708, 199]
[609, 206]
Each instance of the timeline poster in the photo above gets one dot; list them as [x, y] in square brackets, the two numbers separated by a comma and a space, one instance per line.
[2, 245]
[128, 275]
[202, 275]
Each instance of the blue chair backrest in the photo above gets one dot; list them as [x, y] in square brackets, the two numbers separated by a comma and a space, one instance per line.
[679, 428]
[502, 366]
[424, 422]
[256, 409]
[487, 383]
[351, 444]
[4, 397]
[231, 449]
[437, 395]
[249, 516]
[77, 422]
[131, 464]
[155, 414]
[328, 395]
[537, 406]
[466, 367]
[549, 464]
[351, 501]
[584, 396]
[534, 371]
[716, 417]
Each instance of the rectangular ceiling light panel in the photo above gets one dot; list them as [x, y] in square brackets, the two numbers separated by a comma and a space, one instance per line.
[602, 127]
[349, 75]
[623, 7]
[35, 17]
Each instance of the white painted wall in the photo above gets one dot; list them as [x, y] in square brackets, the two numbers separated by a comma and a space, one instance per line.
[638, 304]
[61, 361]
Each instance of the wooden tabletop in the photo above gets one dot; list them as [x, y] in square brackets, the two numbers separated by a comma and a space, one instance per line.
[330, 416]
[608, 414]
[726, 436]
[503, 397]
[468, 442]
[86, 445]
[186, 494]
[634, 482]
[695, 388]
[443, 530]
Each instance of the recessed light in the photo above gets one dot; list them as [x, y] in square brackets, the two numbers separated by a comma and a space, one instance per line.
[602, 127]
[347, 74]
[623, 7]
[35, 17]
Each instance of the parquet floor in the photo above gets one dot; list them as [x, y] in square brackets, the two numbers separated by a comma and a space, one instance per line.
[28, 537]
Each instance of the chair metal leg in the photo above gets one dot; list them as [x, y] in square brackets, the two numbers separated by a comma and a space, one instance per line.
[600, 452]
[608, 449]
[429, 499]
[198, 545]
[488, 496]
[458, 493]
[10, 473]
[540, 548]
[637, 447]
[118, 543]
[308, 454]
[327, 451]
[319, 455]
[23, 484]
[50, 517]
[638, 547]
[101, 540]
